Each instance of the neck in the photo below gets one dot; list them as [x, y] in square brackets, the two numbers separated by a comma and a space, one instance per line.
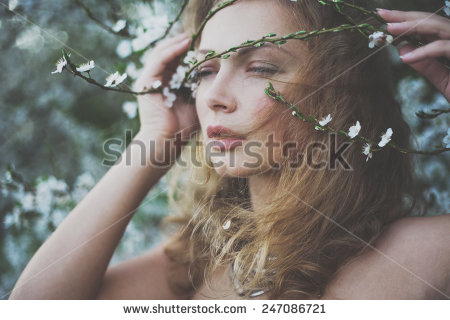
[261, 188]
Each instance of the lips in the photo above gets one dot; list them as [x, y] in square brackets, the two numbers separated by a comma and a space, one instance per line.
[224, 138]
[220, 132]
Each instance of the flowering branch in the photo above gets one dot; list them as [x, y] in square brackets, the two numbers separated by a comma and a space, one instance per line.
[75, 71]
[336, 3]
[123, 32]
[353, 131]
[211, 13]
[171, 23]
[270, 37]
[435, 113]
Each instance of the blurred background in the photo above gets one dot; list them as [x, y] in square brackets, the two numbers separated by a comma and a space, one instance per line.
[53, 126]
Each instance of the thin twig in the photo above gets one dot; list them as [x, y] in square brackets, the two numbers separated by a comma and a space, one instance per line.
[210, 14]
[436, 112]
[171, 23]
[122, 33]
[299, 35]
[73, 70]
[276, 95]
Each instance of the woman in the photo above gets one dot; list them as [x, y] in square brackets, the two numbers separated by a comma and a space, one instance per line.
[312, 219]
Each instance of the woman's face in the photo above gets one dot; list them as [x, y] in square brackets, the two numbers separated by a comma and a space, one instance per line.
[231, 91]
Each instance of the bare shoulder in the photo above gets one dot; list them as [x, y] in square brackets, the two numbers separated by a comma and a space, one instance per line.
[142, 277]
[410, 260]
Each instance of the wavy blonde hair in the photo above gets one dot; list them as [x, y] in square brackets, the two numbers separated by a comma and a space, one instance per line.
[314, 224]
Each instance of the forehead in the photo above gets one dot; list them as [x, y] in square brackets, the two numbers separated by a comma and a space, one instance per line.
[247, 20]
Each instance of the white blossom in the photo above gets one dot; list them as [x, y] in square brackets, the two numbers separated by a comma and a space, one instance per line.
[85, 180]
[154, 20]
[132, 71]
[194, 88]
[367, 151]
[86, 66]
[60, 65]
[57, 216]
[30, 39]
[170, 97]
[44, 193]
[82, 186]
[378, 38]
[190, 56]
[130, 109]
[177, 77]
[120, 25]
[156, 84]
[12, 4]
[324, 121]
[354, 130]
[227, 225]
[294, 113]
[115, 79]
[154, 15]
[389, 39]
[12, 219]
[8, 176]
[385, 138]
[28, 202]
[124, 48]
[446, 139]
[447, 8]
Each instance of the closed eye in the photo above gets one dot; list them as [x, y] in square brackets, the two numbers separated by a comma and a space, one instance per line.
[262, 70]
[204, 73]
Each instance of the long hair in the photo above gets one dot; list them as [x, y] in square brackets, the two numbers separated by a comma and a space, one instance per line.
[317, 219]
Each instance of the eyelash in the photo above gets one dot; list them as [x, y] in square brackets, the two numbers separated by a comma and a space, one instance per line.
[262, 70]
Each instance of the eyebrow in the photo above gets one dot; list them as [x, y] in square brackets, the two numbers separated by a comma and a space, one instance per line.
[247, 50]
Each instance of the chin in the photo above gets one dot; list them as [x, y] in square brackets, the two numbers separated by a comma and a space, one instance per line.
[238, 170]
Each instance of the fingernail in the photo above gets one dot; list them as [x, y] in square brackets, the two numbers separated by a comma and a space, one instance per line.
[185, 41]
[407, 55]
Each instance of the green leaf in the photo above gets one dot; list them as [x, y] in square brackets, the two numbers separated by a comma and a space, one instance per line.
[288, 36]
[225, 56]
[270, 35]
[259, 44]
[209, 54]
[280, 42]
[300, 32]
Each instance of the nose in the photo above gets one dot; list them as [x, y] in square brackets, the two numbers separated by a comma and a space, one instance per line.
[220, 93]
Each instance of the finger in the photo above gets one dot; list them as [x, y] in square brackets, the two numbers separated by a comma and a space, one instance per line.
[430, 27]
[400, 16]
[158, 62]
[440, 48]
[431, 68]
[168, 55]
[170, 41]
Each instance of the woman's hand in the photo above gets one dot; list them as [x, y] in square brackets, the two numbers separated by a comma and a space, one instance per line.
[156, 118]
[432, 28]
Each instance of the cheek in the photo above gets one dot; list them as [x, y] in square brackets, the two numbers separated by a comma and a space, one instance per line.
[262, 108]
